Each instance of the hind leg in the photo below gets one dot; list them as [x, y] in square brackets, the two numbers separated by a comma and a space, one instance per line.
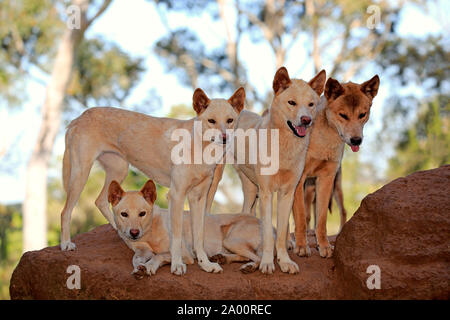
[339, 196]
[241, 252]
[250, 193]
[116, 168]
[80, 166]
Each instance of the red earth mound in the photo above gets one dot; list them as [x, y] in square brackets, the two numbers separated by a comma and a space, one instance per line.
[403, 229]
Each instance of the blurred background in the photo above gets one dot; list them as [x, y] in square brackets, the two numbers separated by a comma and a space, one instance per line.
[58, 58]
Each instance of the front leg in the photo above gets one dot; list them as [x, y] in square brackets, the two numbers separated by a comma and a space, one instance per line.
[298, 209]
[266, 265]
[197, 204]
[157, 261]
[142, 253]
[176, 203]
[324, 187]
[284, 205]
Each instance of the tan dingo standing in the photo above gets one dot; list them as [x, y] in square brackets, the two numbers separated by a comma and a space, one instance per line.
[292, 112]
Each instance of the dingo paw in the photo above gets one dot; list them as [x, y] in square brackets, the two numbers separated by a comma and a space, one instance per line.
[267, 267]
[211, 267]
[326, 251]
[68, 246]
[139, 272]
[249, 267]
[219, 258]
[178, 268]
[303, 251]
[289, 266]
[152, 266]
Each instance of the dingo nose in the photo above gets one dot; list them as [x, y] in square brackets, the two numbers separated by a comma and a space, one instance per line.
[134, 233]
[224, 138]
[305, 120]
[356, 141]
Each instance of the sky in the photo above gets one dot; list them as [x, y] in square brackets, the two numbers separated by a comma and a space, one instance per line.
[136, 28]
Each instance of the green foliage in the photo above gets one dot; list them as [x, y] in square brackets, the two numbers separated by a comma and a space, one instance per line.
[103, 73]
[426, 143]
[29, 30]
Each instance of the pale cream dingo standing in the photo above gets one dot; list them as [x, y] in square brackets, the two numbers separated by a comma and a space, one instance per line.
[117, 138]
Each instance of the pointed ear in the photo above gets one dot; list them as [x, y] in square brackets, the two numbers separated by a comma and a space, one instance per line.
[318, 82]
[237, 100]
[115, 193]
[149, 192]
[281, 81]
[333, 89]
[200, 101]
[370, 87]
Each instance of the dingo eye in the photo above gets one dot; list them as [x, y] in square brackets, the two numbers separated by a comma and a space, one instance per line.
[311, 104]
[292, 102]
[362, 115]
[211, 121]
[343, 116]
[124, 214]
[230, 120]
[142, 213]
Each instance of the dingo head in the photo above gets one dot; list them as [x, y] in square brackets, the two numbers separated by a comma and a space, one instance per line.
[349, 108]
[295, 100]
[219, 114]
[133, 210]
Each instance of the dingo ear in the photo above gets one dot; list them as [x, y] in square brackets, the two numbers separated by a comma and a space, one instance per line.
[149, 192]
[200, 101]
[333, 89]
[237, 100]
[281, 81]
[115, 193]
[318, 82]
[370, 87]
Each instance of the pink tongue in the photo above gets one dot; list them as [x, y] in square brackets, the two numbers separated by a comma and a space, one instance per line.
[355, 148]
[301, 131]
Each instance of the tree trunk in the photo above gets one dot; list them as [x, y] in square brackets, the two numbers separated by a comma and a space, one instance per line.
[35, 203]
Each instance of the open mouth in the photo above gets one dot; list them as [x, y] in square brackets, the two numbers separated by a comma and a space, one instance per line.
[299, 131]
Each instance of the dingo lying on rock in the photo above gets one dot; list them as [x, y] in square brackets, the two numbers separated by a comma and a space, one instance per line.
[228, 237]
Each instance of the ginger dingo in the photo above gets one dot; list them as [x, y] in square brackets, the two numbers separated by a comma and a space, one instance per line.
[341, 116]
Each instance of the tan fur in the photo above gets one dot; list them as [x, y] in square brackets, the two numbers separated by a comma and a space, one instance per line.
[292, 152]
[117, 138]
[328, 137]
[228, 237]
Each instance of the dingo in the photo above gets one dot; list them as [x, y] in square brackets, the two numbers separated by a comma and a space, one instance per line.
[228, 237]
[292, 112]
[341, 116]
[118, 137]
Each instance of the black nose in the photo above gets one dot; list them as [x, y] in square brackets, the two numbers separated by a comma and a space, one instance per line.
[305, 120]
[356, 141]
[134, 233]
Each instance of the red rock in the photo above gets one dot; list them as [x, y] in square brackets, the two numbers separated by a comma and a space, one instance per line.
[105, 263]
[403, 228]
